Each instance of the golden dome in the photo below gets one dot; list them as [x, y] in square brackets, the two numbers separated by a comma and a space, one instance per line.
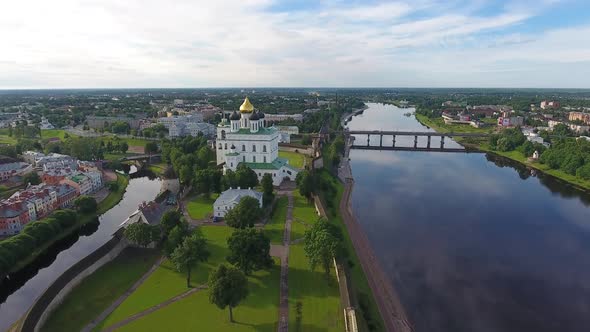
[246, 107]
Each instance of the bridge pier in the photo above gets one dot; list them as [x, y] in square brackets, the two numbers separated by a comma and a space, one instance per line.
[428, 142]
[368, 139]
[442, 142]
[415, 141]
[394, 141]
[381, 140]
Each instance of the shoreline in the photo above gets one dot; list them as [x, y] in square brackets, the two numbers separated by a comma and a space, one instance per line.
[568, 179]
[384, 294]
[112, 199]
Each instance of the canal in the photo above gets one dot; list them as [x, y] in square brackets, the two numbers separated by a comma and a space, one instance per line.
[472, 242]
[19, 293]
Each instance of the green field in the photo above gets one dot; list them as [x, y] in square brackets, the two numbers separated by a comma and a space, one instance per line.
[258, 312]
[320, 308]
[53, 133]
[304, 213]
[158, 168]
[439, 125]
[201, 207]
[296, 160]
[275, 228]
[130, 141]
[100, 289]
[166, 282]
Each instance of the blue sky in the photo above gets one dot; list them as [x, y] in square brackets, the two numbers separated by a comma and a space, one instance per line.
[266, 43]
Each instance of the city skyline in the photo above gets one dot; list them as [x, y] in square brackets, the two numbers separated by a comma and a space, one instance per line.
[264, 43]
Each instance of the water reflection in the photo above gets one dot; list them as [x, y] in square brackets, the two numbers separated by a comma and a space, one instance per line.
[20, 290]
[474, 242]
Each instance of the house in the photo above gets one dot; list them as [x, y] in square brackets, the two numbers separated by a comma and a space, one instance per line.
[231, 197]
[45, 124]
[148, 213]
[81, 182]
[10, 167]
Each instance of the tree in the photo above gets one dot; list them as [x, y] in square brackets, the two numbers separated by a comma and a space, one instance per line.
[150, 147]
[113, 186]
[304, 183]
[170, 219]
[184, 174]
[85, 204]
[204, 155]
[267, 188]
[246, 177]
[228, 286]
[123, 147]
[32, 178]
[175, 238]
[141, 234]
[321, 245]
[192, 251]
[245, 214]
[249, 250]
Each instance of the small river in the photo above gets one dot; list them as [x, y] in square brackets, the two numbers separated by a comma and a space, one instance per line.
[19, 293]
[472, 242]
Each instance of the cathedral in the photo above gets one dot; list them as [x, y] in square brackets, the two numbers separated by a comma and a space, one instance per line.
[246, 139]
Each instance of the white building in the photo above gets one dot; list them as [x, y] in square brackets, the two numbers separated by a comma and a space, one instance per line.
[192, 129]
[11, 167]
[247, 140]
[230, 198]
[45, 124]
[180, 119]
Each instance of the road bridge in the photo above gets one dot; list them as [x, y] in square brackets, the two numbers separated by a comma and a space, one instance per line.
[416, 134]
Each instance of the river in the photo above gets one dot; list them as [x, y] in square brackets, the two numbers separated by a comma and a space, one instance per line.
[19, 293]
[472, 242]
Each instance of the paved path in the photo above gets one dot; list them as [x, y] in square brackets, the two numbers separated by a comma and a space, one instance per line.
[284, 285]
[154, 308]
[122, 298]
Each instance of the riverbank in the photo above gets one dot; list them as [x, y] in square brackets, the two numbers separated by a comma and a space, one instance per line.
[512, 155]
[110, 201]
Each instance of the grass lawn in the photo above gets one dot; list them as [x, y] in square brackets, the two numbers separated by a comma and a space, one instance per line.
[51, 133]
[158, 168]
[276, 227]
[439, 125]
[114, 197]
[201, 207]
[296, 160]
[304, 213]
[166, 282]
[258, 312]
[5, 139]
[320, 308]
[100, 289]
[130, 141]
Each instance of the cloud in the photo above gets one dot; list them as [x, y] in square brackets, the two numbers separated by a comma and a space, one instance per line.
[182, 43]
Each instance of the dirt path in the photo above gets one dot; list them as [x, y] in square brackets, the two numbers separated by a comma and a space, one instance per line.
[154, 308]
[284, 283]
[122, 298]
[387, 299]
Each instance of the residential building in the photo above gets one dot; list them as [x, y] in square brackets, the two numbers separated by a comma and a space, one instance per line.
[550, 104]
[578, 129]
[10, 167]
[45, 124]
[246, 139]
[148, 213]
[581, 116]
[81, 182]
[282, 117]
[230, 198]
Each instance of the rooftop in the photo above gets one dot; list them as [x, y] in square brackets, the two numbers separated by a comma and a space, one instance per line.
[235, 195]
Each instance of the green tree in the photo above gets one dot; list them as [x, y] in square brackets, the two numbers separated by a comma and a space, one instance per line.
[304, 183]
[204, 156]
[245, 214]
[321, 245]
[123, 147]
[175, 238]
[192, 251]
[246, 177]
[170, 219]
[140, 233]
[32, 178]
[228, 286]
[249, 250]
[584, 171]
[267, 188]
[185, 174]
[150, 147]
[85, 204]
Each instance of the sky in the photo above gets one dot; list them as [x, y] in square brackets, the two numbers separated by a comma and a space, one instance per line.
[294, 43]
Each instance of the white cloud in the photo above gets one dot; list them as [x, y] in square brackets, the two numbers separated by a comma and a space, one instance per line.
[133, 43]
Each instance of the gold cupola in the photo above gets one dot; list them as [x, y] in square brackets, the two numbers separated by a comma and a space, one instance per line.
[246, 106]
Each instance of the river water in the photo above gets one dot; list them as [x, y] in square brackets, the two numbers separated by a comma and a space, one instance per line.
[472, 242]
[19, 293]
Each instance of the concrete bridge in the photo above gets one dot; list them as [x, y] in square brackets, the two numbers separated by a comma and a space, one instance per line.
[141, 157]
[416, 134]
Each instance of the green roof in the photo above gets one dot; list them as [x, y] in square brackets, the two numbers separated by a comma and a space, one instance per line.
[276, 165]
[261, 131]
[232, 154]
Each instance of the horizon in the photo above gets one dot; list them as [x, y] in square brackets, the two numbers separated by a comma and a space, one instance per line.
[455, 44]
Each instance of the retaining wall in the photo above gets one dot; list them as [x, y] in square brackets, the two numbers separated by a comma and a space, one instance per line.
[57, 291]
